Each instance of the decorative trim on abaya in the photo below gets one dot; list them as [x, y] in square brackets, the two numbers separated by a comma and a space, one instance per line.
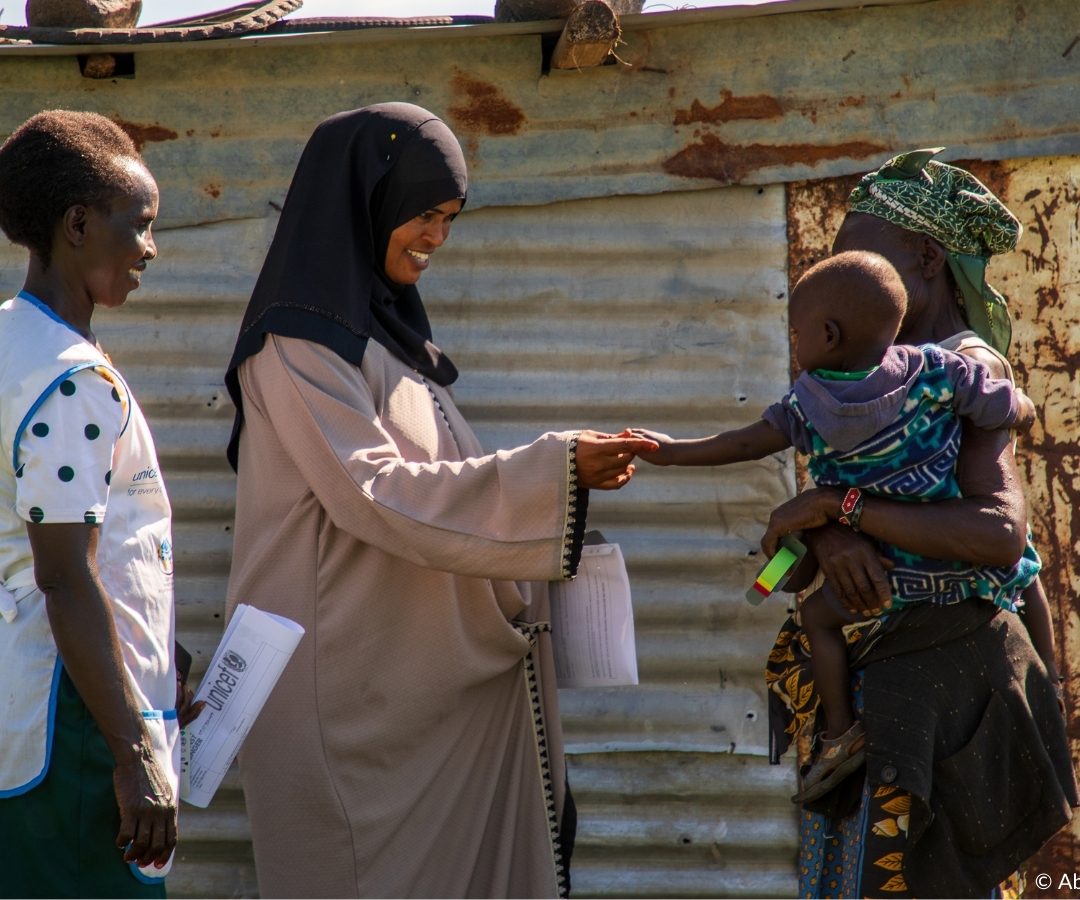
[576, 509]
[530, 630]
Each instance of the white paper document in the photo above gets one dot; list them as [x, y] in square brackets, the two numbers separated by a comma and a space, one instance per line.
[592, 622]
[248, 662]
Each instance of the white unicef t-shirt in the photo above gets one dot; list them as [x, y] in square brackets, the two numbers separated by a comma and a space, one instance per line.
[66, 452]
[81, 452]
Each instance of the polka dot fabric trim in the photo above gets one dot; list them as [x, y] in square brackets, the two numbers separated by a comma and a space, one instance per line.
[65, 457]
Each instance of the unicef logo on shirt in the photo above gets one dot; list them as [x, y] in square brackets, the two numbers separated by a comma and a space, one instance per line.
[165, 556]
[234, 661]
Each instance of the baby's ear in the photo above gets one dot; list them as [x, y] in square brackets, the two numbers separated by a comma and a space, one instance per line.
[832, 333]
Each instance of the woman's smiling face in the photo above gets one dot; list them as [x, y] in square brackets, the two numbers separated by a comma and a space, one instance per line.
[119, 241]
[412, 243]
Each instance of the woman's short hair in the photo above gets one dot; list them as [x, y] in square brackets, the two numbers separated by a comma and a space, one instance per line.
[55, 160]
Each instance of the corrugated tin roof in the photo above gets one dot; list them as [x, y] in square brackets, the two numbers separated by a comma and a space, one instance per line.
[468, 32]
[702, 100]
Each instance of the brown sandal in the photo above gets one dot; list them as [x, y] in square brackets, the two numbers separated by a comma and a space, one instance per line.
[837, 758]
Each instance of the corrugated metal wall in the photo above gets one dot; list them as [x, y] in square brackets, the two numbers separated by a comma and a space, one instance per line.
[599, 313]
[633, 307]
[640, 310]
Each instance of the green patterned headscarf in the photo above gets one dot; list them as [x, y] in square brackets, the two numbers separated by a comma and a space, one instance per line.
[953, 207]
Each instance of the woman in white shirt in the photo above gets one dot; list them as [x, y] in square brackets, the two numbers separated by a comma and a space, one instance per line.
[88, 761]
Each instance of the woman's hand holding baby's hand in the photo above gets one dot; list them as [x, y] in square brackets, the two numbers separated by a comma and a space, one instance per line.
[661, 455]
[605, 461]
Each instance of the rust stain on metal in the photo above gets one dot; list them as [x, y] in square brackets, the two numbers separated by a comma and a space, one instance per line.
[213, 190]
[1038, 282]
[814, 212]
[483, 108]
[726, 163]
[995, 174]
[730, 107]
[145, 134]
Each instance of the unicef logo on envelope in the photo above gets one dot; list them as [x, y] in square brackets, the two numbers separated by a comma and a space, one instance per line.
[234, 661]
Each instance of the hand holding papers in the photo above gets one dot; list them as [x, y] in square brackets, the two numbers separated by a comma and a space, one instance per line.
[592, 622]
[250, 658]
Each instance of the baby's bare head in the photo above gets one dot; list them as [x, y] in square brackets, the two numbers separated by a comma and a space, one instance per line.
[859, 291]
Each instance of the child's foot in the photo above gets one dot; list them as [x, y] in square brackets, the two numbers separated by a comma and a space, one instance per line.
[837, 758]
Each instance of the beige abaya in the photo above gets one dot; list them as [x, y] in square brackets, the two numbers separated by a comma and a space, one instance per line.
[412, 747]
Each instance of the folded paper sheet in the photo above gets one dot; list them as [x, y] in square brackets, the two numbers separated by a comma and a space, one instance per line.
[249, 660]
[592, 622]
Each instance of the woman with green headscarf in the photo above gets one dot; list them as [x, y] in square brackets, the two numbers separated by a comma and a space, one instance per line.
[968, 765]
[948, 223]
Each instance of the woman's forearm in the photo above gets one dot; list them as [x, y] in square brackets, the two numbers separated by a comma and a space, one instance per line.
[984, 529]
[986, 526]
[86, 639]
[980, 530]
[80, 616]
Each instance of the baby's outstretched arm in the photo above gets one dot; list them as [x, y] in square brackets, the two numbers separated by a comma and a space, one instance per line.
[752, 442]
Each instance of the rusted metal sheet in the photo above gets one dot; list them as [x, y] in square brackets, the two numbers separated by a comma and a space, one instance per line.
[1040, 281]
[699, 100]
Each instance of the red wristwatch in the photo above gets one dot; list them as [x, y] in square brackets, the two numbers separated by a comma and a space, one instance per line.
[851, 508]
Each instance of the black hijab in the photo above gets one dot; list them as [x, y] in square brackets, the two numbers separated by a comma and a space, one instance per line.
[362, 174]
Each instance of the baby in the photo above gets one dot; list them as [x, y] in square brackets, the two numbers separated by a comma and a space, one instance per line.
[872, 417]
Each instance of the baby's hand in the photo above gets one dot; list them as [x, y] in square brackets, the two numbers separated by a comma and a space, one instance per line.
[661, 456]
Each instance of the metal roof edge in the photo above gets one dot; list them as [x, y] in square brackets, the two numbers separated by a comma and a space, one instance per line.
[630, 22]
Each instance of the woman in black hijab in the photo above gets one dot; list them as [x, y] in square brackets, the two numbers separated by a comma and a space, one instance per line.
[362, 174]
[412, 747]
